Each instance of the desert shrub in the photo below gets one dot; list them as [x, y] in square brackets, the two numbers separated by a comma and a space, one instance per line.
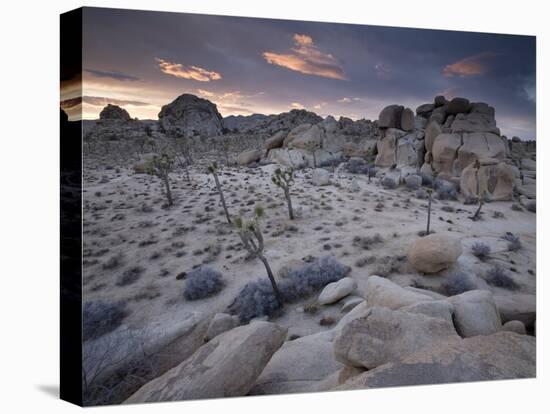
[514, 243]
[368, 241]
[427, 179]
[100, 318]
[130, 276]
[445, 190]
[113, 262]
[389, 182]
[357, 166]
[202, 282]
[481, 250]
[470, 200]
[421, 194]
[311, 277]
[254, 300]
[457, 283]
[257, 299]
[497, 276]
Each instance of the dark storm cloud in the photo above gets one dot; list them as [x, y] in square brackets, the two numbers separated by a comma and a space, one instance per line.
[112, 75]
[264, 65]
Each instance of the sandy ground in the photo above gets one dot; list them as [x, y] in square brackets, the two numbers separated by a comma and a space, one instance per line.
[164, 242]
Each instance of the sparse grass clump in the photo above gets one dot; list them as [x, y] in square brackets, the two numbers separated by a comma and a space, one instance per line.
[367, 242]
[457, 283]
[202, 282]
[100, 318]
[444, 190]
[514, 243]
[481, 251]
[113, 262]
[130, 276]
[497, 276]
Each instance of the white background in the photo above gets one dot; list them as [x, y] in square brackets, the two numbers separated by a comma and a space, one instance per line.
[29, 253]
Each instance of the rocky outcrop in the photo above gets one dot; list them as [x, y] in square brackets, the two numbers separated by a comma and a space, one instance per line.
[248, 157]
[114, 112]
[270, 124]
[488, 178]
[433, 253]
[227, 366]
[499, 356]
[189, 115]
[379, 291]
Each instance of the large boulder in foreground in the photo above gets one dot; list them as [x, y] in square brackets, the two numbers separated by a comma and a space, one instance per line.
[383, 335]
[433, 253]
[475, 313]
[335, 291]
[500, 356]
[227, 366]
[189, 115]
[298, 366]
[137, 355]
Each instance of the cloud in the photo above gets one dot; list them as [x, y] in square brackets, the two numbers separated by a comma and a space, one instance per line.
[187, 72]
[306, 58]
[112, 75]
[297, 105]
[529, 89]
[470, 66]
[100, 101]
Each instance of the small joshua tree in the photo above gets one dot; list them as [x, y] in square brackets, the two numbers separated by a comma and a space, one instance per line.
[430, 193]
[161, 166]
[284, 179]
[250, 233]
[312, 147]
[213, 169]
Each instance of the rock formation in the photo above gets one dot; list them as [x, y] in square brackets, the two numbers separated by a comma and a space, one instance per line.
[189, 115]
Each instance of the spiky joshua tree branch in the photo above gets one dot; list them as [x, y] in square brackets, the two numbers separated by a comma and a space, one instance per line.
[251, 235]
[161, 166]
[284, 179]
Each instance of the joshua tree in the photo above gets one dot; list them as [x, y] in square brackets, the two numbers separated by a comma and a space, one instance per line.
[250, 233]
[161, 165]
[312, 147]
[213, 169]
[284, 179]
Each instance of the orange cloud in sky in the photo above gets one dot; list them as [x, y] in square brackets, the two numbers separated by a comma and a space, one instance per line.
[308, 59]
[187, 72]
[469, 66]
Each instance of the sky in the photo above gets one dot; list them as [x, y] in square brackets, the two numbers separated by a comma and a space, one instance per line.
[142, 60]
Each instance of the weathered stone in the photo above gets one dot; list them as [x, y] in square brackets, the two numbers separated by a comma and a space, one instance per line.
[444, 152]
[298, 366]
[308, 139]
[494, 180]
[433, 253]
[515, 326]
[220, 323]
[276, 141]
[407, 120]
[379, 291]
[476, 146]
[190, 115]
[520, 306]
[114, 112]
[387, 148]
[438, 115]
[413, 182]
[473, 122]
[335, 291]
[440, 100]
[383, 335]
[475, 313]
[500, 356]
[425, 109]
[441, 308]
[458, 105]
[294, 133]
[350, 302]
[320, 177]
[432, 131]
[390, 117]
[247, 157]
[226, 366]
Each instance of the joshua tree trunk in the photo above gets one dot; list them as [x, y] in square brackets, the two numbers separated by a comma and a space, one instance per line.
[168, 191]
[314, 159]
[289, 202]
[222, 198]
[272, 280]
[478, 211]
[429, 213]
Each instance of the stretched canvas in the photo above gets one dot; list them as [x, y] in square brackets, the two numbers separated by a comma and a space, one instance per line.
[253, 206]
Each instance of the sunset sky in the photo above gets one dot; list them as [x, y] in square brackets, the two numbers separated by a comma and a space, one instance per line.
[143, 60]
